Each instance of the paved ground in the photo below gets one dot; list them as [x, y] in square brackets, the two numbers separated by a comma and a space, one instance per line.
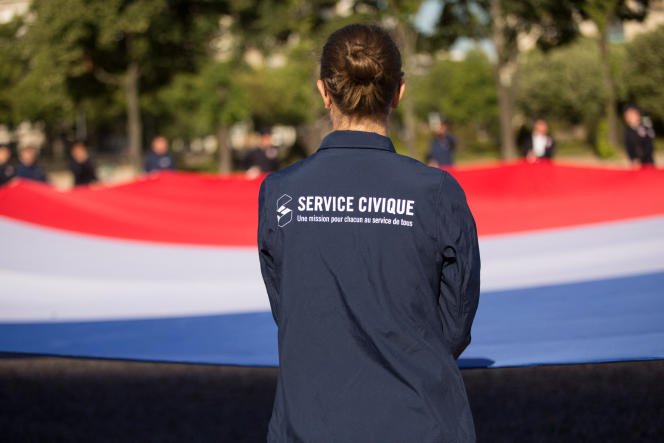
[56, 399]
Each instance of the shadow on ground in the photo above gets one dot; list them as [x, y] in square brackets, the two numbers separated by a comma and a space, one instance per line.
[56, 399]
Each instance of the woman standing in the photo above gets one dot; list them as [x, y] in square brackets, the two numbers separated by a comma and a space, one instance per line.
[371, 264]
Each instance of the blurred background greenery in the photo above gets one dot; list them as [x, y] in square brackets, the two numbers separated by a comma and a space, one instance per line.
[117, 72]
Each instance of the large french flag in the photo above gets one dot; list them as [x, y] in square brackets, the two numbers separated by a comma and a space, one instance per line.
[165, 268]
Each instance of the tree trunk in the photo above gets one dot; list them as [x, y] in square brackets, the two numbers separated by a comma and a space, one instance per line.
[134, 124]
[225, 157]
[408, 39]
[58, 147]
[81, 125]
[609, 86]
[409, 124]
[504, 72]
[506, 111]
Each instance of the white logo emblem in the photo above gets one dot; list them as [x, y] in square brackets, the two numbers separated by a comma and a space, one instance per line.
[284, 214]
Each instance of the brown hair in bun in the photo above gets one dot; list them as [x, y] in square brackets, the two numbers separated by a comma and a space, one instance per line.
[361, 69]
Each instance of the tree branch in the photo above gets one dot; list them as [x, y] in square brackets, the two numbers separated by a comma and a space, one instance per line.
[106, 77]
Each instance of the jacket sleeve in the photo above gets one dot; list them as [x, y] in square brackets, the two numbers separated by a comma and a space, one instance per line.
[460, 275]
[432, 145]
[268, 263]
[550, 150]
[631, 144]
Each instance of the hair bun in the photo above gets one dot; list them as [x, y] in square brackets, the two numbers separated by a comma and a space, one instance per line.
[362, 68]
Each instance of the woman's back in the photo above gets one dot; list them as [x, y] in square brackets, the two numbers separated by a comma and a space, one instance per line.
[371, 263]
[363, 352]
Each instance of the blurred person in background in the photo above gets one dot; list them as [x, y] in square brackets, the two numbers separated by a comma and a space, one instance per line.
[639, 137]
[7, 170]
[442, 147]
[81, 166]
[263, 158]
[159, 158]
[540, 145]
[28, 166]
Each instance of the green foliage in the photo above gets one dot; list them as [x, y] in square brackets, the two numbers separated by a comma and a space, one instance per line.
[603, 12]
[72, 55]
[472, 19]
[644, 72]
[462, 91]
[603, 148]
[10, 69]
[163, 37]
[32, 88]
[223, 93]
[284, 94]
[196, 104]
[562, 85]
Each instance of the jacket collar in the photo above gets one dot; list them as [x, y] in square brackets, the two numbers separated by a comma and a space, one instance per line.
[356, 139]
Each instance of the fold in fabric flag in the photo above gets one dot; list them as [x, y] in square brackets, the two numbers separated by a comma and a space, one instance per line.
[165, 268]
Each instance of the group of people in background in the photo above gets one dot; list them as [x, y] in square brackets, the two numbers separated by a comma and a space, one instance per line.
[539, 145]
[28, 166]
[260, 159]
[535, 146]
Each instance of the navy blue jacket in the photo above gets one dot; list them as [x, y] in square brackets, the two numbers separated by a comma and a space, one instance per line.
[441, 150]
[7, 172]
[371, 265]
[639, 144]
[32, 172]
[158, 162]
[84, 173]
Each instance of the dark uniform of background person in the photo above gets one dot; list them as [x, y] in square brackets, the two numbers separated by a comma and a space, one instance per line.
[81, 165]
[371, 265]
[7, 170]
[159, 159]
[263, 158]
[28, 166]
[442, 147]
[639, 138]
[539, 145]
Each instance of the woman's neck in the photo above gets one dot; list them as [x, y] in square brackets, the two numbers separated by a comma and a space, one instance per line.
[345, 123]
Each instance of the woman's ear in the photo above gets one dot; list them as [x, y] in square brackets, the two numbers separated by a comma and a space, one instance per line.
[398, 95]
[327, 101]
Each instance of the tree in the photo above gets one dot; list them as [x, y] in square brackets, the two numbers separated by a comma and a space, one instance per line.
[311, 22]
[32, 88]
[463, 91]
[209, 101]
[408, 35]
[132, 45]
[10, 69]
[562, 85]
[550, 23]
[644, 72]
[604, 13]
[223, 93]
